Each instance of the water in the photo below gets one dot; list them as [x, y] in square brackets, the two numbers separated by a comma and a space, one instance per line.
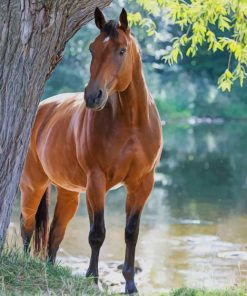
[194, 227]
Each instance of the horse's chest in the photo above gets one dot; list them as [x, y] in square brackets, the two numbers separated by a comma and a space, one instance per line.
[122, 153]
[131, 158]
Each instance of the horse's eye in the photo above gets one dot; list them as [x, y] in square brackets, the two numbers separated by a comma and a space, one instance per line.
[122, 51]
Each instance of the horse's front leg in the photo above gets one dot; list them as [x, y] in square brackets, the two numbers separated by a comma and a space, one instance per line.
[95, 194]
[136, 198]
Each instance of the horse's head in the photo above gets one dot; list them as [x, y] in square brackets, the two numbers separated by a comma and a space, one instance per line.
[111, 65]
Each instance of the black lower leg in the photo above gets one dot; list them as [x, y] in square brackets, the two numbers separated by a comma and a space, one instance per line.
[131, 235]
[96, 239]
[26, 243]
[26, 237]
[53, 244]
[52, 253]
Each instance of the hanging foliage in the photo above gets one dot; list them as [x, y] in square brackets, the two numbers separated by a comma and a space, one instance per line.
[220, 24]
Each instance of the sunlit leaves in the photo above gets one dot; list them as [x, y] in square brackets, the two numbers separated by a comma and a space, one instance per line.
[220, 24]
[224, 23]
[225, 80]
[240, 73]
[172, 56]
[134, 18]
[147, 23]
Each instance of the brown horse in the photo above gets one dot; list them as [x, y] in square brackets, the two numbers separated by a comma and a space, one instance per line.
[91, 142]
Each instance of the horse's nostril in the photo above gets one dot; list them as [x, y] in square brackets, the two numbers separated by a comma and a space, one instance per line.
[99, 94]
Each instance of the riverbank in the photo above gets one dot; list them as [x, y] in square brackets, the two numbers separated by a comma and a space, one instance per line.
[23, 275]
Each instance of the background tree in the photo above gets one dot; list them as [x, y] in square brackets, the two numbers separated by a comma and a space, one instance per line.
[32, 39]
[221, 25]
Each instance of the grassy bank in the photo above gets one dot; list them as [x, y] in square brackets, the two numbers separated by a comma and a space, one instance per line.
[198, 292]
[22, 275]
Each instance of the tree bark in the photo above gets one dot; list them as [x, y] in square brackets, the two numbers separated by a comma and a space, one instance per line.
[33, 34]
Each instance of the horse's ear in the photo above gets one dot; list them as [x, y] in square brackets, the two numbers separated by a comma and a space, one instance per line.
[99, 18]
[124, 20]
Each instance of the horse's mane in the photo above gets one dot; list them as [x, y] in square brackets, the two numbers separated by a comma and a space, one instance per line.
[110, 28]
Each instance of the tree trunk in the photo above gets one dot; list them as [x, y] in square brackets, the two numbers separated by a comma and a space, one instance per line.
[33, 34]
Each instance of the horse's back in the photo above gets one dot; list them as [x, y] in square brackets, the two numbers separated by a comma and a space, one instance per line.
[56, 109]
[62, 99]
[51, 146]
[61, 105]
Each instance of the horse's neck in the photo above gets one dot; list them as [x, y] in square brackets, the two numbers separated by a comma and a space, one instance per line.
[134, 102]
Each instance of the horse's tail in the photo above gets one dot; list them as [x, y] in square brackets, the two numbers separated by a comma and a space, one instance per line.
[42, 224]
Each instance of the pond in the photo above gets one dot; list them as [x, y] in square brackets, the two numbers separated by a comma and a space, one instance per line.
[194, 227]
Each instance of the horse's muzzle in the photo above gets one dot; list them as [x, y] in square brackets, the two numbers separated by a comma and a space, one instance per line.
[95, 100]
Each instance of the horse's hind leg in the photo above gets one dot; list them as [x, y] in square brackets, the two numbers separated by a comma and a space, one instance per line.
[66, 206]
[30, 200]
[33, 185]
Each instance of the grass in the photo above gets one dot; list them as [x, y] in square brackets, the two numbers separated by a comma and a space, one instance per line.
[202, 292]
[24, 275]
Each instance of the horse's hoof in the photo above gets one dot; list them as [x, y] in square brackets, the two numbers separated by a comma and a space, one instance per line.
[50, 260]
[130, 288]
[93, 276]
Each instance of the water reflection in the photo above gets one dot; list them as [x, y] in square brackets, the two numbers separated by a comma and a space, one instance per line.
[193, 229]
